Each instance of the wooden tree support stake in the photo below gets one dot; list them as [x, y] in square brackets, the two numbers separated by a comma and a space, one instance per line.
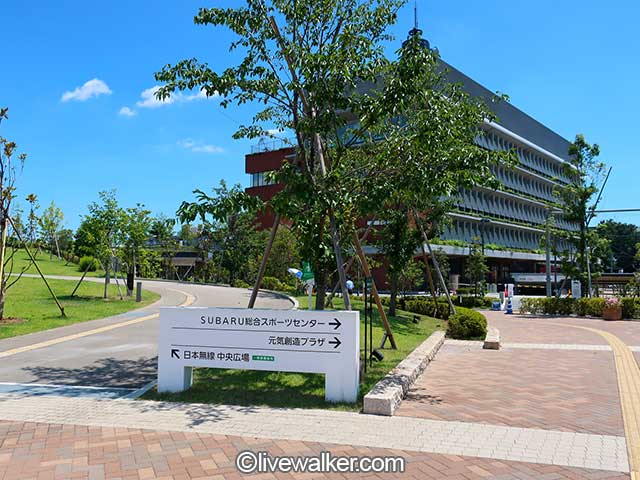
[374, 291]
[86, 270]
[432, 287]
[365, 235]
[435, 261]
[26, 248]
[265, 259]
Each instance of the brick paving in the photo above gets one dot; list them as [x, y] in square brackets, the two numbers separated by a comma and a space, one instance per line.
[564, 390]
[49, 451]
[541, 408]
[552, 330]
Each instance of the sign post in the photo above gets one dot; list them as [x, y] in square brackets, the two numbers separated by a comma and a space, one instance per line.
[248, 339]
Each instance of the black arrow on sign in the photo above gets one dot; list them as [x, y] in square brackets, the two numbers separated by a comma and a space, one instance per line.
[336, 341]
[337, 324]
[175, 353]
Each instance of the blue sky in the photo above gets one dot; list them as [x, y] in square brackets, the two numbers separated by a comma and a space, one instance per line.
[573, 65]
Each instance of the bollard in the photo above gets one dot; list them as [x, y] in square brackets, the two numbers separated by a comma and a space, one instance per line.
[139, 292]
[509, 309]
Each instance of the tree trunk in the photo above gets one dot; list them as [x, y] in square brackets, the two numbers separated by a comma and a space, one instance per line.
[3, 250]
[107, 278]
[3, 296]
[321, 288]
[393, 294]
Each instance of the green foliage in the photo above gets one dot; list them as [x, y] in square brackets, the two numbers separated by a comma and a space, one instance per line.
[581, 307]
[50, 223]
[242, 284]
[397, 241]
[272, 283]
[101, 231]
[425, 306]
[474, 302]
[620, 251]
[477, 268]
[586, 174]
[467, 325]
[88, 264]
[285, 254]
[136, 226]
[228, 224]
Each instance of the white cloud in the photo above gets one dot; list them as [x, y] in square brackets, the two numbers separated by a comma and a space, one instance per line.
[127, 112]
[148, 98]
[199, 147]
[92, 88]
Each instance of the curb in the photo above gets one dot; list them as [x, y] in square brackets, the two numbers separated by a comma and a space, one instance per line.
[492, 340]
[386, 395]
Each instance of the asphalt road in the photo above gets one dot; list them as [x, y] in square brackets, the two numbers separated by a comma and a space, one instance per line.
[123, 357]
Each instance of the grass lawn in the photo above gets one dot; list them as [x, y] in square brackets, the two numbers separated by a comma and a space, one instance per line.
[49, 266]
[278, 389]
[30, 300]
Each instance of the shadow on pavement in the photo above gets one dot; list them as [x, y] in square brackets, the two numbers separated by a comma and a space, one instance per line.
[107, 372]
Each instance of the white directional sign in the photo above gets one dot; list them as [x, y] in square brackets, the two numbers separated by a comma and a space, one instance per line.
[278, 340]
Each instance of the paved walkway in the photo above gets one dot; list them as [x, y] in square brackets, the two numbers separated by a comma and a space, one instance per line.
[544, 447]
[569, 390]
[118, 351]
[51, 451]
[535, 409]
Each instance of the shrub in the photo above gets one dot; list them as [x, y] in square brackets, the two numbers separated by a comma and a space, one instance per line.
[241, 284]
[425, 306]
[89, 262]
[630, 308]
[531, 305]
[467, 324]
[595, 306]
[272, 283]
[473, 302]
[582, 307]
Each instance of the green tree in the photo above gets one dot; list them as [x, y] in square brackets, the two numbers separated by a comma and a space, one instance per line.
[397, 241]
[410, 277]
[302, 71]
[419, 147]
[477, 268]
[622, 238]
[163, 235]
[11, 164]
[33, 220]
[50, 224]
[586, 174]
[230, 216]
[101, 231]
[284, 255]
[65, 240]
[136, 228]
[443, 261]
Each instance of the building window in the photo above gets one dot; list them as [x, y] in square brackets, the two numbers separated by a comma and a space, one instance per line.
[260, 179]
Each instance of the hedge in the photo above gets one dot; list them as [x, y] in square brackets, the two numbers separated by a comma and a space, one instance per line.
[467, 302]
[582, 307]
[467, 324]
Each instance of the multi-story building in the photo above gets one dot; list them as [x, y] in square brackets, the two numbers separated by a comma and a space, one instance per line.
[509, 221]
